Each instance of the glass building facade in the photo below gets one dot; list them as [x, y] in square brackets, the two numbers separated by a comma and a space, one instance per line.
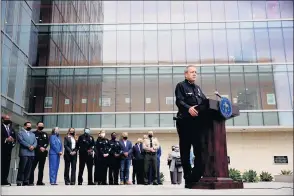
[115, 64]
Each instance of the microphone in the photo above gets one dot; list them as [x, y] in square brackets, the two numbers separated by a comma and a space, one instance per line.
[217, 94]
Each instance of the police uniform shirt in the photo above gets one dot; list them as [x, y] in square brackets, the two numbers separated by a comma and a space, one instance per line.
[42, 139]
[104, 146]
[86, 142]
[187, 95]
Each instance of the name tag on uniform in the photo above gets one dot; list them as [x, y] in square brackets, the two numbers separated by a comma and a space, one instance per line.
[189, 94]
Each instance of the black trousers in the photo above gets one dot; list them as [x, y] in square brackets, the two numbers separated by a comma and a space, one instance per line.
[5, 166]
[150, 160]
[24, 169]
[103, 164]
[114, 165]
[97, 177]
[85, 159]
[39, 160]
[190, 133]
[70, 162]
[138, 171]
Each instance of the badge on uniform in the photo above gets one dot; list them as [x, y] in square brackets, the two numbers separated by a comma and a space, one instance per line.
[90, 138]
[199, 94]
[44, 135]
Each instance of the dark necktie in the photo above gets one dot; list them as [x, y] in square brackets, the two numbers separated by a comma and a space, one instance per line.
[151, 145]
[7, 130]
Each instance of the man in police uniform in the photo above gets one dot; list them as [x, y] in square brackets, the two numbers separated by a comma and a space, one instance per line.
[103, 149]
[114, 160]
[40, 154]
[97, 177]
[150, 147]
[86, 156]
[189, 126]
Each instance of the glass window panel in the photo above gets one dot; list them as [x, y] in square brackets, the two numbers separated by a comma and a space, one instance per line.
[51, 94]
[5, 68]
[177, 11]
[151, 120]
[64, 121]
[166, 120]
[123, 47]
[220, 46]
[204, 12]
[285, 118]
[229, 122]
[123, 95]
[278, 68]
[137, 47]
[206, 46]
[222, 69]
[108, 120]
[250, 68]
[110, 11]
[274, 24]
[150, 11]
[287, 23]
[262, 45]
[276, 44]
[223, 85]
[248, 45]
[286, 8]
[12, 75]
[109, 47]
[50, 121]
[78, 71]
[164, 47]
[241, 120]
[190, 11]
[237, 88]
[192, 46]
[137, 120]
[80, 95]
[65, 97]
[122, 120]
[207, 69]
[123, 71]
[234, 45]
[245, 12]
[288, 43]
[94, 120]
[290, 78]
[255, 119]
[165, 70]
[208, 85]
[108, 93]
[282, 90]
[137, 11]
[253, 101]
[178, 78]
[123, 11]
[218, 11]
[270, 118]
[236, 69]
[79, 121]
[150, 46]
[265, 68]
[268, 96]
[151, 70]
[166, 93]
[258, 9]
[273, 9]
[137, 93]
[231, 10]
[178, 47]
[151, 93]
[163, 11]
[94, 93]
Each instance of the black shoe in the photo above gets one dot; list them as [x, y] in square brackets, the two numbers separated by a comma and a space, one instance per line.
[104, 183]
[72, 183]
[40, 184]
[155, 183]
[91, 183]
[80, 183]
[6, 184]
[66, 183]
[26, 184]
[18, 184]
[116, 183]
[31, 184]
[146, 183]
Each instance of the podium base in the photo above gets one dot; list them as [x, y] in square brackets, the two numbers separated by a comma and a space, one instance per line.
[212, 183]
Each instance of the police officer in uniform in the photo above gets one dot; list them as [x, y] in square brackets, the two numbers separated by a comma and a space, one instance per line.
[40, 154]
[97, 177]
[103, 149]
[114, 160]
[86, 156]
[189, 126]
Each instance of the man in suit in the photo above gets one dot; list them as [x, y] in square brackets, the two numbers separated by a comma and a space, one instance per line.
[150, 147]
[127, 148]
[7, 143]
[138, 162]
[28, 143]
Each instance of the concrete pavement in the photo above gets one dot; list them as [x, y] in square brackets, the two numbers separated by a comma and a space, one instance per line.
[262, 188]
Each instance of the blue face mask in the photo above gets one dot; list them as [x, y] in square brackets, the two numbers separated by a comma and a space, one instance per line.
[87, 131]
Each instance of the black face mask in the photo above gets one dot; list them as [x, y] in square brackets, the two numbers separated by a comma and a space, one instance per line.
[113, 137]
[7, 122]
[40, 128]
[28, 128]
[125, 138]
[72, 134]
[150, 136]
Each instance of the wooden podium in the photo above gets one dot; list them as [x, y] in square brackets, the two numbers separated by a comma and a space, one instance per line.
[214, 143]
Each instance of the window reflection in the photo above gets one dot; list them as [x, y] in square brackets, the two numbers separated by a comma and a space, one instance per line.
[107, 101]
[80, 97]
[262, 45]
[244, 8]
[94, 93]
[218, 11]
[288, 43]
[177, 11]
[252, 91]
[110, 11]
[268, 95]
[137, 47]
[137, 92]
[220, 46]
[178, 46]
[231, 10]
[192, 46]
[166, 93]
[276, 43]
[151, 92]
[206, 46]
[164, 47]
[248, 45]
[191, 11]
[150, 11]
[137, 11]
[109, 47]
[150, 46]
[204, 12]
[123, 11]
[123, 96]
[237, 90]
[282, 90]
[123, 47]
[164, 11]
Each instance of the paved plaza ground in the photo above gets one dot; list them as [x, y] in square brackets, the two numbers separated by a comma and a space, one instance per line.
[262, 188]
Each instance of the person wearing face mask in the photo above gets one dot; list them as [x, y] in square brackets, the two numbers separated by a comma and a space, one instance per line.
[40, 153]
[176, 166]
[138, 162]
[54, 155]
[70, 157]
[7, 144]
[86, 156]
[97, 177]
[114, 160]
[125, 163]
[169, 160]
[150, 147]
[28, 143]
[103, 149]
